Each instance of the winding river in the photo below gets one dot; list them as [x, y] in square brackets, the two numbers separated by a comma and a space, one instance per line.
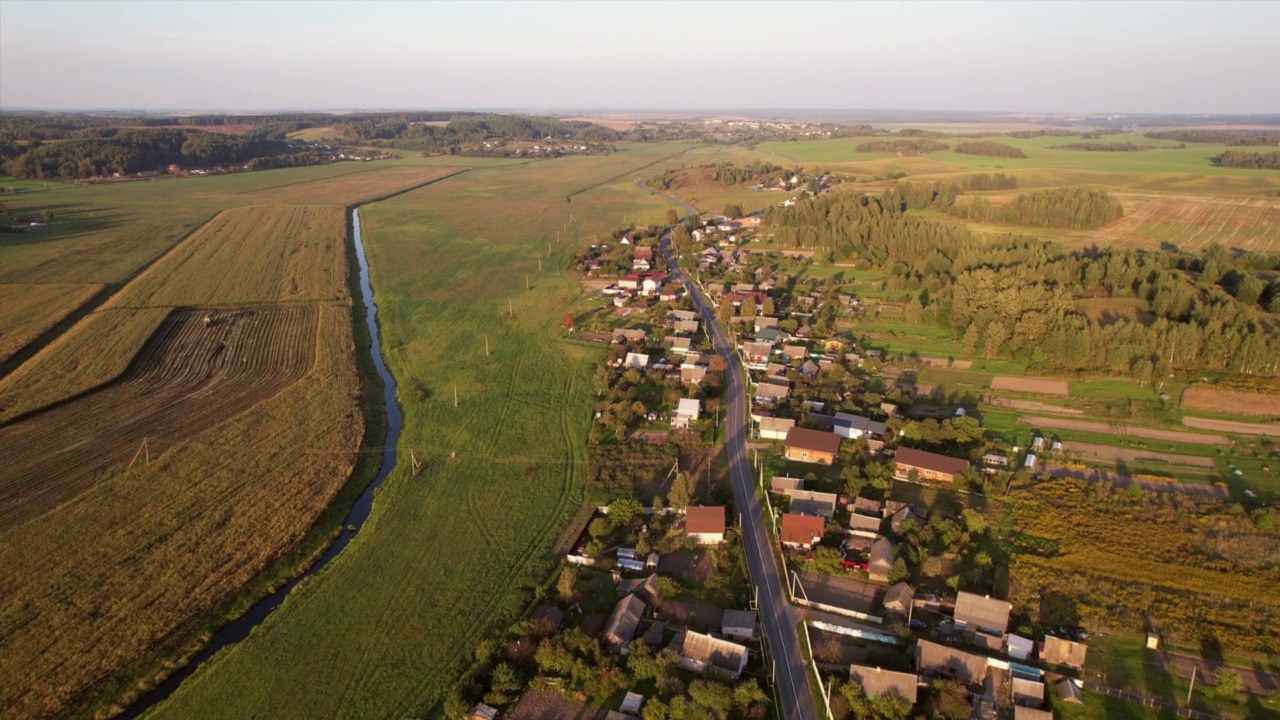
[239, 629]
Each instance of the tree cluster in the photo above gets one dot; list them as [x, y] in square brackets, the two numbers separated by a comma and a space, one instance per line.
[985, 181]
[1215, 137]
[103, 152]
[1244, 159]
[1058, 207]
[990, 149]
[906, 147]
[1104, 147]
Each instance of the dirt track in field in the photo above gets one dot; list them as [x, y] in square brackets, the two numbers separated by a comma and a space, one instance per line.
[1242, 428]
[1041, 386]
[187, 378]
[1121, 429]
[1107, 453]
[1033, 406]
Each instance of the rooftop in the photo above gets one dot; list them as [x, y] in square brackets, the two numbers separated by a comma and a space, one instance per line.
[704, 519]
[818, 440]
[931, 461]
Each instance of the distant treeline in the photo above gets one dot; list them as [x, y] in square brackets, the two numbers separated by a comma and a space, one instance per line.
[722, 174]
[991, 149]
[937, 196]
[1215, 137]
[908, 147]
[103, 152]
[1016, 296]
[1245, 159]
[1104, 147]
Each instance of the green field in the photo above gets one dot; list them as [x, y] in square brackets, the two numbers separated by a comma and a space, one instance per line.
[450, 554]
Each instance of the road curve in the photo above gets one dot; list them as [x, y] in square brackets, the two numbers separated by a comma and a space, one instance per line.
[778, 617]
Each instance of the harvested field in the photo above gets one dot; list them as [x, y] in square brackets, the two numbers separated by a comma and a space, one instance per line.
[1040, 386]
[103, 579]
[26, 311]
[186, 379]
[1109, 454]
[841, 592]
[1121, 429]
[1229, 426]
[376, 181]
[263, 255]
[1235, 402]
[1193, 221]
[1032, 406]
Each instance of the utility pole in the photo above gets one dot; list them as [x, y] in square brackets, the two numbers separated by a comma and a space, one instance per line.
[1194, 668]
[526, 279]
[511, 309]
[540, 263]
[455, 395]
[486, 346]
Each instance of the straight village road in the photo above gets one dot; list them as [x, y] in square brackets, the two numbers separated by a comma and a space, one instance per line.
[779, 618]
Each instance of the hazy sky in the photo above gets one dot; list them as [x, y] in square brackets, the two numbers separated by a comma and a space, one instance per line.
[1186, 57]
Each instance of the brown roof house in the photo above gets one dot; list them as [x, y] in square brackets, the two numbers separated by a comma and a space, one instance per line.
[699, 652]
[801, 531]
[880, 564]
[645, 588]
[705, 524]
[987, 618]
[621, 627]
[815, 446]
[1063, 652]
[878, 683]
[927, 465]
[943, 661]
[898, 599]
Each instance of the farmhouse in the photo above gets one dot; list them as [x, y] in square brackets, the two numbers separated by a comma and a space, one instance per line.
[810, 502]
[878, 683]
[898, 599]
[705, 525]
[881, 563]
[687, 411]
[943, 661]
[927, 465]
[801, 531]
[621, 627]
[815, 446]
[1063, 652]
[984, 616]
[740, 624]
[699, 652]
[775, 428]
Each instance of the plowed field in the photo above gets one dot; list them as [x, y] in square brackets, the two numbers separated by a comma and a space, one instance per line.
[187, 378]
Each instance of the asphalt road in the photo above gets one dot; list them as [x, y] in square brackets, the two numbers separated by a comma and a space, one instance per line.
[778, 617]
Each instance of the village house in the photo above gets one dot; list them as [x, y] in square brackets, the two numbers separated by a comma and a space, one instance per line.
[944, 661]
[642, 259]
[815, 446]
[985, 617]
[811, 502]
[699, 652]
[692, 374]
[878, 683]
[1027, 692]
[738, 624]
[801, 532]
[687, 411]
[705, 524]
[855, 427]
[784, 485]
[898, 599]
[1022, 712]
[685, 327]
[757, 354]
[622, 624]
[1063, 652]
[638, 361]
[772, 428]
[865, 515]
[794, 352]
[679, 345]
[880, 564]
[769, 393]
[927, 465]
[645, 588]
[630, 281]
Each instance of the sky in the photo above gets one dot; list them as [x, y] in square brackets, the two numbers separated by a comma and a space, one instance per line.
[1051, 57]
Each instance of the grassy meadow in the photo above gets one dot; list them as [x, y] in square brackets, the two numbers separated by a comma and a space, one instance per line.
[452, 552]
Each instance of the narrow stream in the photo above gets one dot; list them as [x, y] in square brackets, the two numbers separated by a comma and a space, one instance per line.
[239, 629]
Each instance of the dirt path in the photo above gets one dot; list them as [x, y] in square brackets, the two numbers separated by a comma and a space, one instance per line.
[1255, 681]
[1120, 429]
[1230, 426]
[1107, 453]
[1032, 406]
[1164, 486]
[1041, 386]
